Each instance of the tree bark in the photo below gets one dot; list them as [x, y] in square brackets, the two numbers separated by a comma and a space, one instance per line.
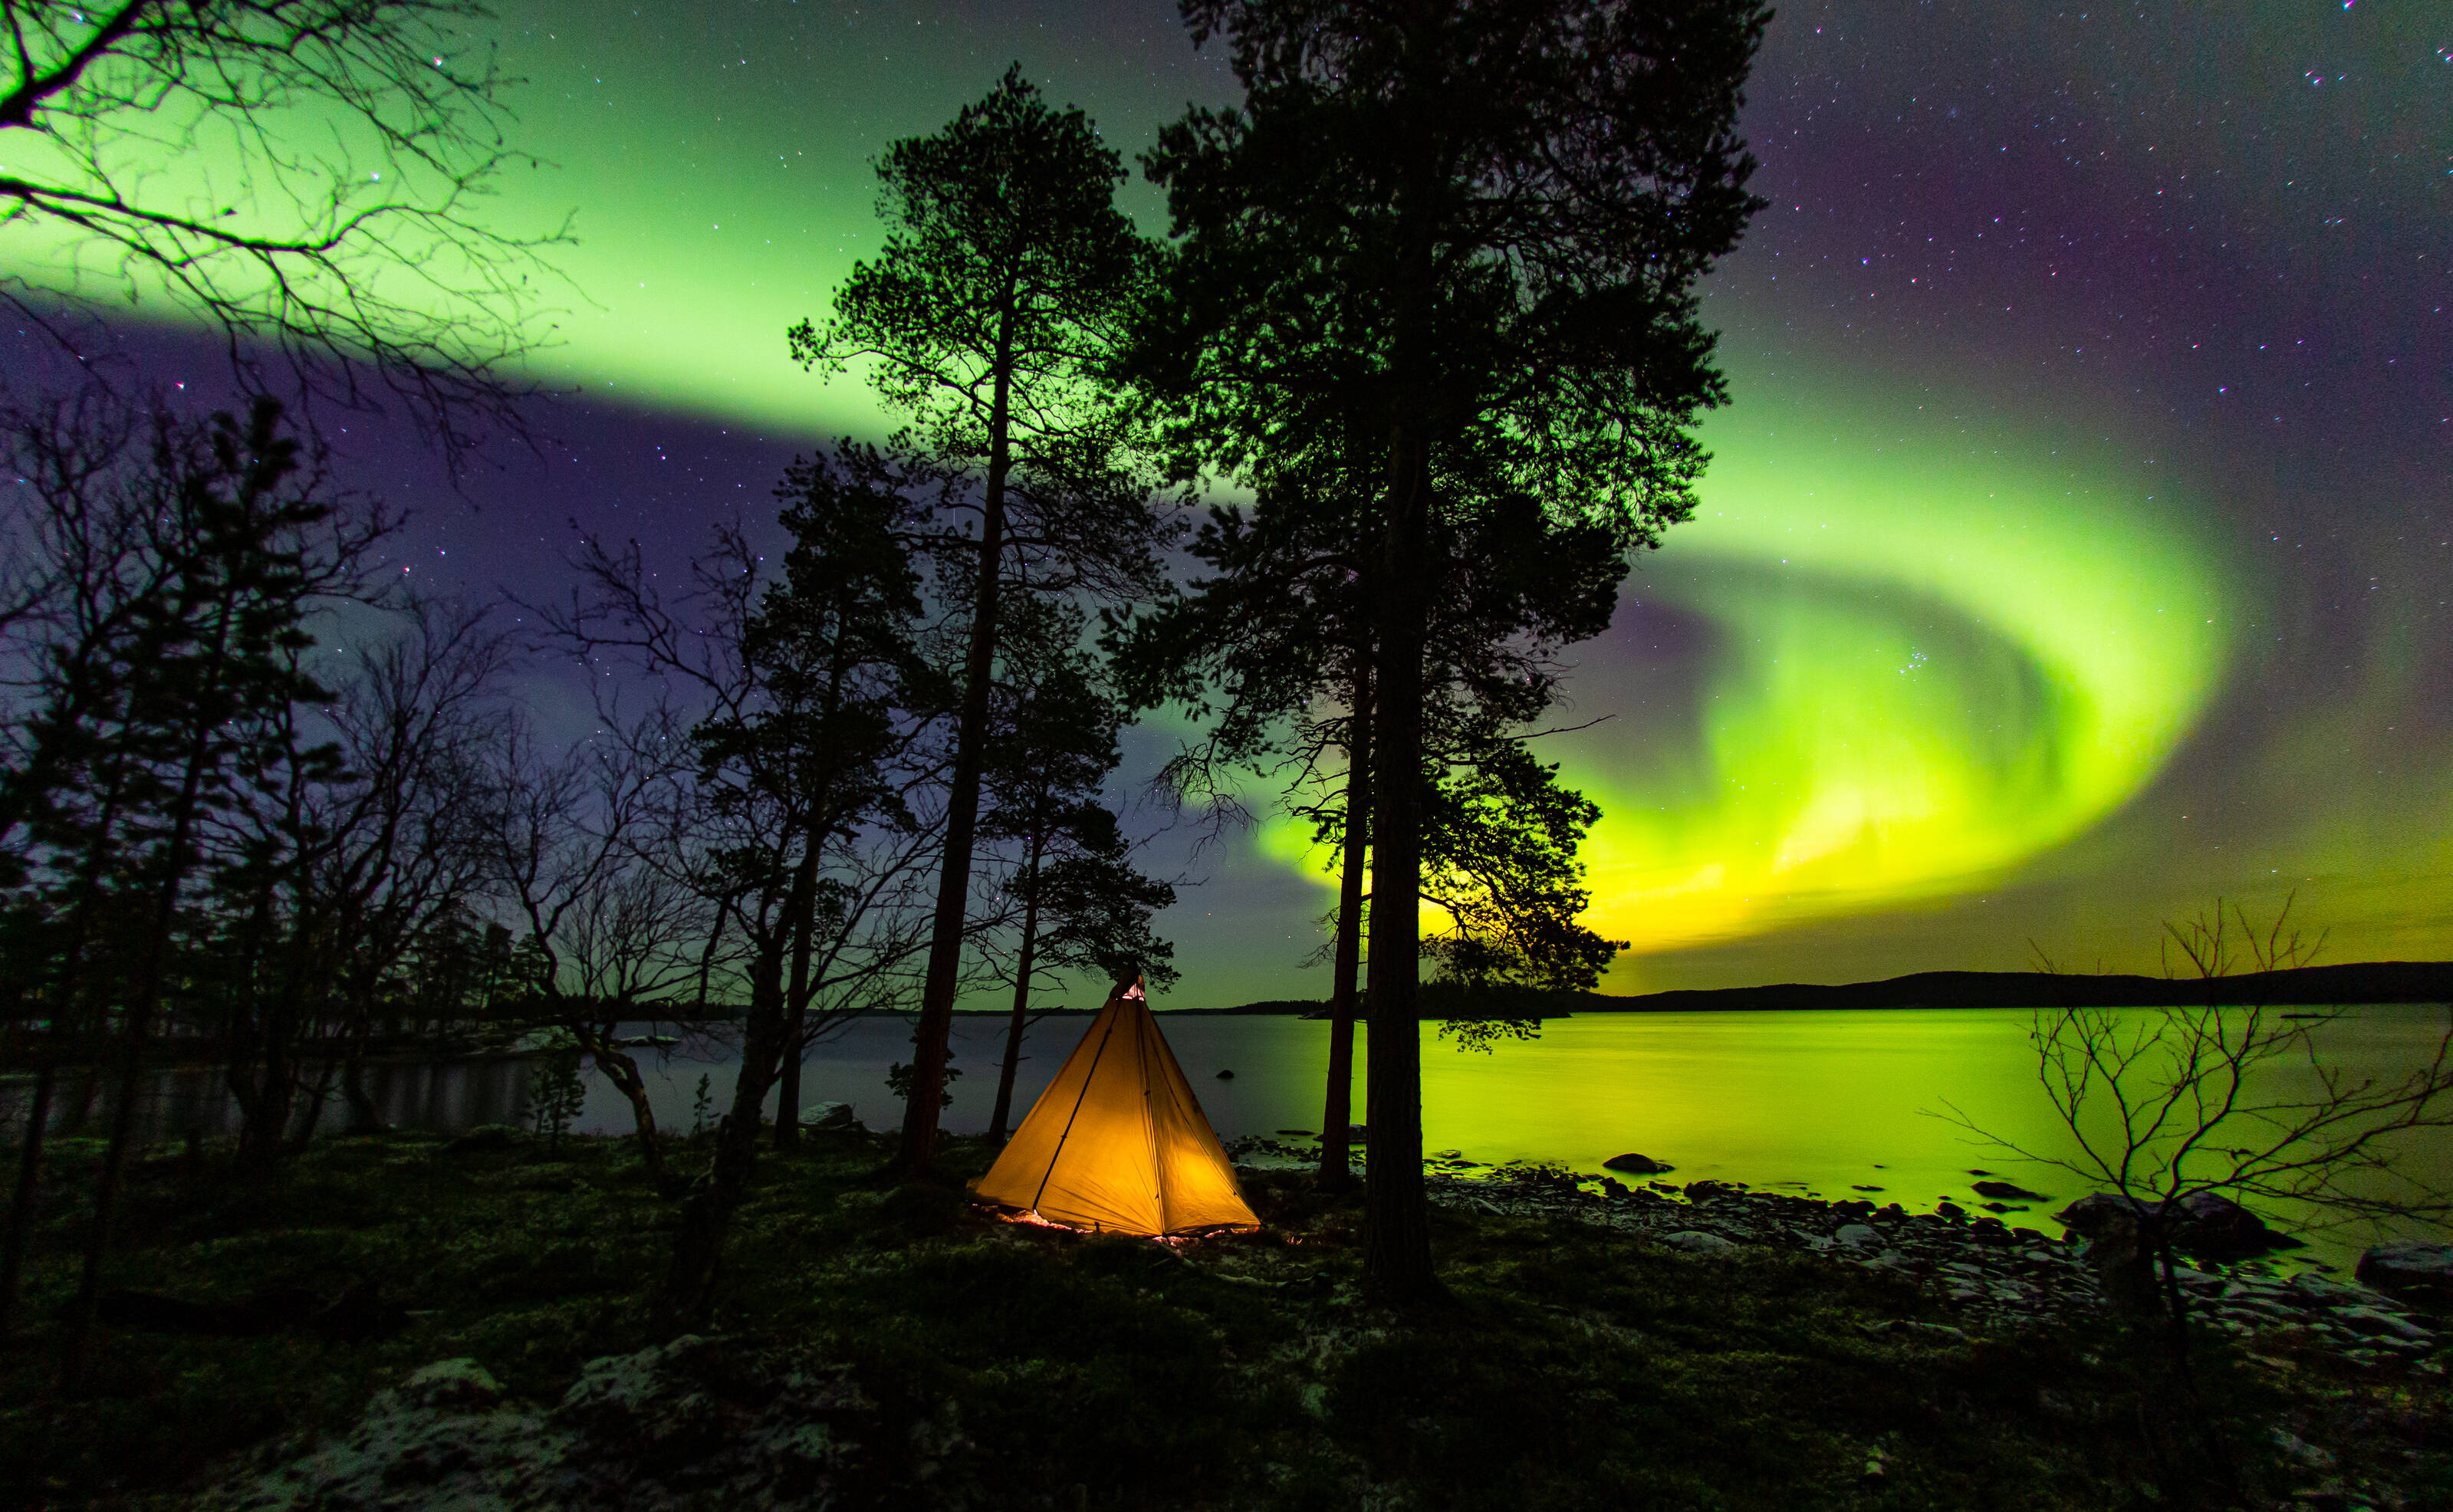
[787, 1089]
[688, 1286]
[962, 805]
[1397, 1249]
[1024, 965]
[1337, 1114]
[620, 1069]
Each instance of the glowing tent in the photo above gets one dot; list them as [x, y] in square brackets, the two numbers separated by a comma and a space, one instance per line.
[1118, 1141]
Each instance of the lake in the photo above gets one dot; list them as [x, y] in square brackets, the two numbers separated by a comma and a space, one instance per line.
[1833, 1103]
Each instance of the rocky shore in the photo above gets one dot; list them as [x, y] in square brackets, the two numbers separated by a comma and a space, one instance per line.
[1994, 1276]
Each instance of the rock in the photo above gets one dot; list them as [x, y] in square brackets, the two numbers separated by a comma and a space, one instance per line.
[2098, 1211]
[1226, 1076]
[2204, 1223]
[828, 1114]
[2212, 1225]
[1695, 1242]
[2409, 1270]
[2377, 1320]
[1857, 1236]
[1947, 1209]
[1711, 1191]
[451, 1386]
[1989, 1231]
[2006, 1192]
[1636, 1164]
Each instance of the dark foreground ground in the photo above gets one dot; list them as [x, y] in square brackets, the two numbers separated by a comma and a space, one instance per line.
[885, 1347]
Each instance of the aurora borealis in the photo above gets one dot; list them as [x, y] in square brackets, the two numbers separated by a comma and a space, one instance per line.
[2077, 547]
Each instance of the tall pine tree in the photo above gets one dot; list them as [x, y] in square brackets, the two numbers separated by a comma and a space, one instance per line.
[1474, 227]
[990, 318]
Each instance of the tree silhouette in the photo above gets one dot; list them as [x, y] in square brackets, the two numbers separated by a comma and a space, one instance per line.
[162, 722]
[1084, 906]
[797, 685]
[337, 263]
[1477, 227]
[990, 318]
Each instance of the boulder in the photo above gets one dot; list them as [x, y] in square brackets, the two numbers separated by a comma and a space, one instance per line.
[1857, 1236]
[2098, 1211]
[2409, 1270]
[2214, 1226]
[2006, 1191]
[2204, 1224]
[1695, 1242]
[1708, 1191]
[1635, 1164]
[828, 1114]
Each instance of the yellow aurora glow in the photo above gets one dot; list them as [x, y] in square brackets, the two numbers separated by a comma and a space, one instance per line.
[1925, 663]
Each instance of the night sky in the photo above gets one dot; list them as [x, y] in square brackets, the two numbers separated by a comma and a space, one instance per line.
[2079, 545]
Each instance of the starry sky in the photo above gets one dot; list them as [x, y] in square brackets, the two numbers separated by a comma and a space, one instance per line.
[2079, 543]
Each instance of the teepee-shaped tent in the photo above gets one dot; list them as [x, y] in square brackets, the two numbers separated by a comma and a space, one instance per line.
[1118, 1141]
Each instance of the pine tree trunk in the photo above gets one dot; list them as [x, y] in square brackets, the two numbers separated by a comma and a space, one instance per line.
[1396, 1250]
[787, 1086]
[920, 1114]
[1023, 969]
[1336, 1171]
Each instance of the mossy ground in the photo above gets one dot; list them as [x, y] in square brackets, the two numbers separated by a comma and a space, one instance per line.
[1572, 1367]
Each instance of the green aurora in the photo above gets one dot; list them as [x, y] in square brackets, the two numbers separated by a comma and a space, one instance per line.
[1912, 654]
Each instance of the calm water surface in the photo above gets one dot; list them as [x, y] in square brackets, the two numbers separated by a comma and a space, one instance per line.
[1835, 1102]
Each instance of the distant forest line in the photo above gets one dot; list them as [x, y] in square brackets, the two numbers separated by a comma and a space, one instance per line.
[2350, 984]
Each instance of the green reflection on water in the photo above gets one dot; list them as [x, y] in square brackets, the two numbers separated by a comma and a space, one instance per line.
[1805, 1102]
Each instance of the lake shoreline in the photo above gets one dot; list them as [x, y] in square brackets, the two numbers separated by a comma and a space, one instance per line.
[895, 1346]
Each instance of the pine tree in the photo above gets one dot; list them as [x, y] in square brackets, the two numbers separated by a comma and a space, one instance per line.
[1472, 230]
[991, 318]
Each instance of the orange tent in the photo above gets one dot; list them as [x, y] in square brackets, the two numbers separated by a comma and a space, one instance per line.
[1118, 1141]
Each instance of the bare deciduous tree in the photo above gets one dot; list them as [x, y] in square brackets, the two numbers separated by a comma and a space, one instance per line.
[2180, 1112]
[305, 177]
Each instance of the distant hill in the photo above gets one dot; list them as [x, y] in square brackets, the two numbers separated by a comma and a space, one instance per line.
[2363, 982]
